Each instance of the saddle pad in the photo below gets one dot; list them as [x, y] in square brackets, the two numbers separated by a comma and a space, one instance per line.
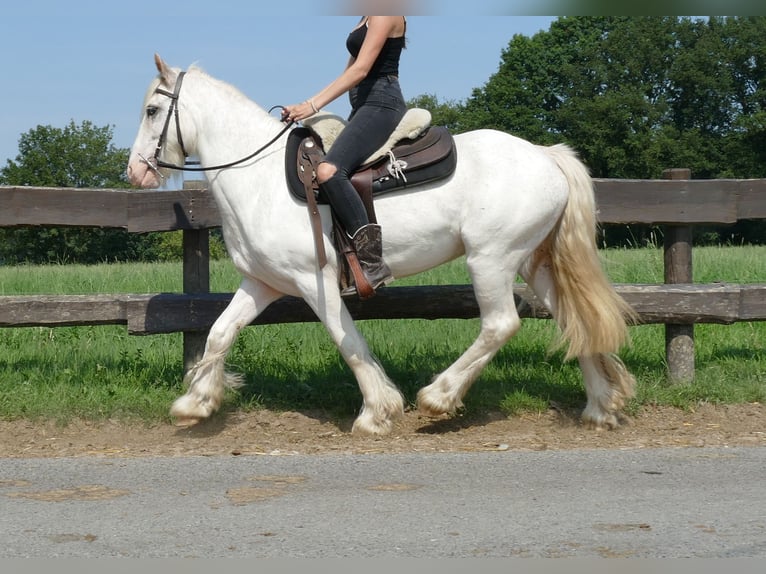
[329, 126]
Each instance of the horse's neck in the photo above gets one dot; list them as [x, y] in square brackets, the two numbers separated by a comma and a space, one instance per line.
[229, 125]
[226, 139]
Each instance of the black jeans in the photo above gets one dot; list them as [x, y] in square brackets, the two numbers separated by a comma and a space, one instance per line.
[377, 107]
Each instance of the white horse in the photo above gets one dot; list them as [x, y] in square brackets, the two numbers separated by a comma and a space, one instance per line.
[510, 207]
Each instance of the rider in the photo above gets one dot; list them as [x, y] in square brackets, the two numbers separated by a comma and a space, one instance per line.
[371, 79]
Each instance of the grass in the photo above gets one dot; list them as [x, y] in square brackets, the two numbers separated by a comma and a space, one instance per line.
[102, 372]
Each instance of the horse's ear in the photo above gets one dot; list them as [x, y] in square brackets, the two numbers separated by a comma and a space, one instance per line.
[166, 73]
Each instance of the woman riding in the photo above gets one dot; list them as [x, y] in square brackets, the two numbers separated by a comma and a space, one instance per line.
[371, 79]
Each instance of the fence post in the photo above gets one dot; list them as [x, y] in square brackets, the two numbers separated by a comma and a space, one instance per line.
[196, 279]
[679, 339]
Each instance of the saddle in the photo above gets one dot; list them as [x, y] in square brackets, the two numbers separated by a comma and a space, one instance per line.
[428, 155]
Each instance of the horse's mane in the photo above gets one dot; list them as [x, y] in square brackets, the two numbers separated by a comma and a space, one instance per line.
[198, 70]
[226, 86]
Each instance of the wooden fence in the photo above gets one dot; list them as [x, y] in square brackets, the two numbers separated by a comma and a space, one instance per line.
[677, 203]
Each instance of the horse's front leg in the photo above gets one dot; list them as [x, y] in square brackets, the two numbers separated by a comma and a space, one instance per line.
[208, 379]
[382, 401]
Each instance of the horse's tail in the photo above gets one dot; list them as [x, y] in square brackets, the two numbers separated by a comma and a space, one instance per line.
[591, 314]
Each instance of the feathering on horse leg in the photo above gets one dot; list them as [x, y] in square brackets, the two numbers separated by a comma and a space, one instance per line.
[609, 386]
[382, 402]
[208, 379]
[206, 382]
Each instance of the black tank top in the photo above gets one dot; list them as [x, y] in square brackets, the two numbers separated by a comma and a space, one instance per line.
[387, 62]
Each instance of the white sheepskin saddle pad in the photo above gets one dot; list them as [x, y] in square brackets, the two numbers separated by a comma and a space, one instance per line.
[328, 126]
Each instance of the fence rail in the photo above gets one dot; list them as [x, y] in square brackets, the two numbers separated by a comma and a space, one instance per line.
[151, 314]
[676, 202]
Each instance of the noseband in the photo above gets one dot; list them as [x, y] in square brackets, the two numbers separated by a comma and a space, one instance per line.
[173, 111]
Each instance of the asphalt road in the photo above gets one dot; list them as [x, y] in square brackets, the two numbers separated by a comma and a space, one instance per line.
[652, 503]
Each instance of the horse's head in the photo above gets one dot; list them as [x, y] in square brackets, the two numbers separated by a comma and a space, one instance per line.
[159, 137]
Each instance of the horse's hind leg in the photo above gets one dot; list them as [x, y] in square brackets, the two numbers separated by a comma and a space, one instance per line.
[608, 384]
[208, 379]
[499, 322]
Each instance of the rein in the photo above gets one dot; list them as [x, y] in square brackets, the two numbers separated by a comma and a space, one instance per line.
[173, 111]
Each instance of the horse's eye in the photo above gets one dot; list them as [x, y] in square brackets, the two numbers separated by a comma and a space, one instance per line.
[151, 110]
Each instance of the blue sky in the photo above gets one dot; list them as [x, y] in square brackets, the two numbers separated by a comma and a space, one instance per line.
[93, 59]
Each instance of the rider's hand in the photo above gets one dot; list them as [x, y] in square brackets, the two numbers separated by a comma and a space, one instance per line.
[298, 112]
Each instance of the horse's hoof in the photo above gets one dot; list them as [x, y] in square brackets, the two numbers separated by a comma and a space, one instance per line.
[367, 425]
[436, 404]
[602, 423]
[186, 422]
[188, 410]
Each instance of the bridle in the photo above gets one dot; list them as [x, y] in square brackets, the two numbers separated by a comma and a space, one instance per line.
[188, 166]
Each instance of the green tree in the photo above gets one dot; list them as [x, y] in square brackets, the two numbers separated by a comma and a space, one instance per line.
[746, 148]
[442, 113]
[594, 82]
[75, 156]
[637, 95]
[519, 96]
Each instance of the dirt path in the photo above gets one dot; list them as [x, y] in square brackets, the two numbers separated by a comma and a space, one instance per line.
[266, 432]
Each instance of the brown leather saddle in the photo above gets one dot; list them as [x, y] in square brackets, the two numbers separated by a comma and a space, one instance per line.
[411, 162]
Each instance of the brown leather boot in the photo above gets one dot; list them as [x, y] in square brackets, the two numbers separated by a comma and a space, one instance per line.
[368, 244]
